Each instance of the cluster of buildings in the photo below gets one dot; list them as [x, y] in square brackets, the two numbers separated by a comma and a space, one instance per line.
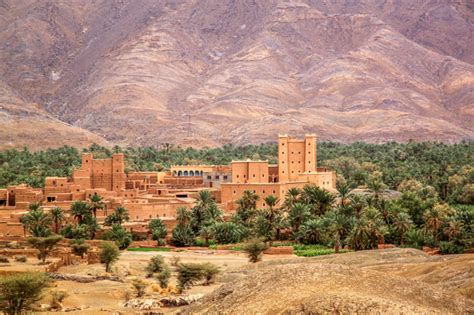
[149, 195]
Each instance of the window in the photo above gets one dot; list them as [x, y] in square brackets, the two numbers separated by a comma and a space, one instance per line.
[292, 162]
[237, 175]
[263, 191]
[253, 175]
[234, 192]
[254, 192]
[216, 177]
[263, 175]
[225, 177]
[150, 216]
[273, 190]
[210, 177]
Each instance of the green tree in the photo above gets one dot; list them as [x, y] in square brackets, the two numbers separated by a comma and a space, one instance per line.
[44, 245]
[119, 216]
[254, 249]
[37, 222]
[119, 235]
[18, 292]
[298, 214]
[109, 254]
[158, 230]
[80, 210]
[79, 247]
[401, 225]
[227, 232]
[57, 214]
[96, 202]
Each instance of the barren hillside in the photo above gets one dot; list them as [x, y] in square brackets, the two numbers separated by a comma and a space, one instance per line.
[212, 72]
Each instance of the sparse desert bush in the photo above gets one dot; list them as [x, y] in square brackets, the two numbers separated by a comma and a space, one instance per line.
[79, 247]
[13, 245]
[164, 276]
[189, 274]
[156, 264]
[109, 253]
[254, 249]
[4, 259]
[18, 292]
[210, 272]
[139, 286]
[21, 258]
[175, 260]
[44, 244]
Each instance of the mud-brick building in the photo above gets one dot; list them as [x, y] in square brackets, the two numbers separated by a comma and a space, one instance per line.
[297, 167]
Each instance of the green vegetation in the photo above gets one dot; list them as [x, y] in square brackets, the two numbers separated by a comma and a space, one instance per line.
[190, 273]
[313, 250]
[254, 249]
[20, 291]
[44, 245]
[109, 254]
[158, 230]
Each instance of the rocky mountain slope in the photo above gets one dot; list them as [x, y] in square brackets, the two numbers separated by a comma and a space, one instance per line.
[212, 72]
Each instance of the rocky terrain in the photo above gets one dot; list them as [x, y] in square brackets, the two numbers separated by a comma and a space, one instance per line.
[213, 72]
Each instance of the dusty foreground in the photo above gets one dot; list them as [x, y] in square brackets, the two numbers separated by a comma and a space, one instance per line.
[390, 281]
[385, 281]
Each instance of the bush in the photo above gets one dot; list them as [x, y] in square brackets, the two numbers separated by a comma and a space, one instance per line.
[4, 259]
[175, 260]
[182, 235]
[21, 258]
[18, 292]
[156, 264]
[109, 253]
[447, 248]
[210, 271]
[164, 276]
[119, 235]
[227, 232]
[44, 244]
[139, 286]
[189, 274]
[254, 249]
[79, 247]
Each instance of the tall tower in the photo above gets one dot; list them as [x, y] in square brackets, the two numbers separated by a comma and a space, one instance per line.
[283, 159]
[310, 164]
[118, 172]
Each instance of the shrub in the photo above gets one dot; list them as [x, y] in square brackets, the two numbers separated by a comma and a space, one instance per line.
[210, 271]
[254, 249]
[21, 258]
[44, 244]
[447, 248]
[414, 238]
[182, 235]
[158, 230]
[139, 286]
[155, 264]
[109, 253]
[188, 274]
[4, 259]
[175, 260]
[119, 235]
[164, 276]
[80, 247]
[18, 292]
[227, 232]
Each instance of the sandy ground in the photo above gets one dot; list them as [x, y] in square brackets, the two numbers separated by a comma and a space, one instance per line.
[447, 274]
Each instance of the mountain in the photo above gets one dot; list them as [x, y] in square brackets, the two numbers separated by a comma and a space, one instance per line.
[213, 72]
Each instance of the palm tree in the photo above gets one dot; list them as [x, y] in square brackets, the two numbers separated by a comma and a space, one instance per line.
[453, 229]
[344, 190]
[320, 200]
[57, 214]
[80, 209]
[271, 212]
[377, 187]
[401, 224]
[358, 204]
[121, 214]
[298, 214]
[37, 223]
[96, 202]
[433, 221]
[248, 200]
[291, 198]
[34, 206]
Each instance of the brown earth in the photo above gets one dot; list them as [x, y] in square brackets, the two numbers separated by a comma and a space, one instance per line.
[390, 281]
[213, 72]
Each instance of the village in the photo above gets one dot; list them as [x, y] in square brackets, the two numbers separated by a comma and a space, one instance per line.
[150, 195]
